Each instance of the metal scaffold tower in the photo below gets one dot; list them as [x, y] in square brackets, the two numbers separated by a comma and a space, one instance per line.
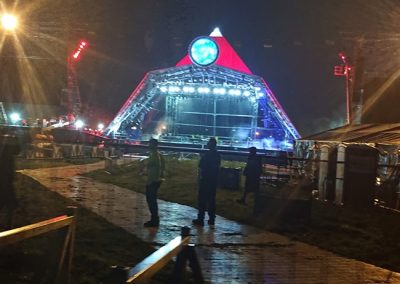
[3, 114]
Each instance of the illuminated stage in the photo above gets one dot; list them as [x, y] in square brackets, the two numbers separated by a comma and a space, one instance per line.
[210, 92]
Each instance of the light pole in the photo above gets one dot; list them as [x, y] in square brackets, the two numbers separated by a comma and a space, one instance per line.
[346, 70]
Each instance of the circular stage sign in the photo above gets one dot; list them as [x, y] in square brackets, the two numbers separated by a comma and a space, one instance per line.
[203, 51]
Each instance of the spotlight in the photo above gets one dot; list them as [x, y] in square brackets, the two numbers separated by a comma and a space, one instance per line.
[79, 124]
[15, 117]
[9, 22]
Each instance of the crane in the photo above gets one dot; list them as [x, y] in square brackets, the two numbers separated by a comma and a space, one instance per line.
[72, 99]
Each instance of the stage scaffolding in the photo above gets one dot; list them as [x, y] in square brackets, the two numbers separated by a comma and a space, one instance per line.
[181, 103]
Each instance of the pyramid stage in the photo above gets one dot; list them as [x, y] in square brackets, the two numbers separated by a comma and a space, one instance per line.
[209, 93]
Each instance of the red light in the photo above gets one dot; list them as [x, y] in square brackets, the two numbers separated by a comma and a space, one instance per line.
[77, 52]
[339, 70]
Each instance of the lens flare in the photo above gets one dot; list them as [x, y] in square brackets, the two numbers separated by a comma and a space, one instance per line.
[9, 22]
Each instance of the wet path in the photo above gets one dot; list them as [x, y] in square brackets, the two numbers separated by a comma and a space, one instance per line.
[229, 253]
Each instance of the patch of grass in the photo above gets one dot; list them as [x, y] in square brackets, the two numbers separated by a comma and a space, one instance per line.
[351, 234]
[50, 163]
[98, 244]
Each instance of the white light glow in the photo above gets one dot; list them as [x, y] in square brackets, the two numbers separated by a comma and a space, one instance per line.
[188, 89]
[79, 124]
[163, 89]
[174, 89]
[15, 117]
[9, 22]
[100, 126]
[216, 33]
[246, 93]
[203, 90]
[219, 91]
[260, 95]
[235, 92]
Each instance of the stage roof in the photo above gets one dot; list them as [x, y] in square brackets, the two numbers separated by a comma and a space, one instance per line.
[388, 134]
[227, 55]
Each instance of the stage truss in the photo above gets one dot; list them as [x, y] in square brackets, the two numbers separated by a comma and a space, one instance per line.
[237, 108]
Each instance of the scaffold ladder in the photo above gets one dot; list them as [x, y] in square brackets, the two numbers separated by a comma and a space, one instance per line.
[3, 115]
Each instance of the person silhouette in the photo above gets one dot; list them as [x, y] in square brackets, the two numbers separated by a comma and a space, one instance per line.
[9, 148]
[155, 175]
[208, 180]
[252, 172]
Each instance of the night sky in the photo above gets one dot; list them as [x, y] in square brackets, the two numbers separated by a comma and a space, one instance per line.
[292, 44]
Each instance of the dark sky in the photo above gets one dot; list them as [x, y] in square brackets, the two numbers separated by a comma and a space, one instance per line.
[130, 37]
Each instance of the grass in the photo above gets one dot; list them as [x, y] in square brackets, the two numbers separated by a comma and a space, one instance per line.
[98, 244]
[358, 235]
[50, 163]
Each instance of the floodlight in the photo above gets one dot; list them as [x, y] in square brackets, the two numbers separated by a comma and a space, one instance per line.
[79, 124]
[15, 117]
[9, 22]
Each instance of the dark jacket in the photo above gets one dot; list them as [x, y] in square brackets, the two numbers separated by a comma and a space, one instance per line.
[209, 166]
[253, 167]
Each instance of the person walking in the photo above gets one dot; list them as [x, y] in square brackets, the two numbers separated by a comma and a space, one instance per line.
[208, 181]
[252, 172]
[9, 148]
[155, 175]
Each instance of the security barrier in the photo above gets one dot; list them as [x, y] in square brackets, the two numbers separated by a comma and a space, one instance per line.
[143, 271]
[29, 231]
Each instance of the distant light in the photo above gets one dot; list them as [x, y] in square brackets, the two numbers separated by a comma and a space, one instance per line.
[246, 93]
[82, 45]
[257, 133]
[15, 117]
[9, 22]
[235, 92]
[100, 126]
[163, 89]
[260, 95]
[188, 89]
[203, 90]
[79, 124]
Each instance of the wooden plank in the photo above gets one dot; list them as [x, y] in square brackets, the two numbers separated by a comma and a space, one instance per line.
[157, 260]
[29, 231]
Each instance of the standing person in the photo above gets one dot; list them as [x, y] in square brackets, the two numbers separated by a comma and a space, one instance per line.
[208, 180]
[155, 174]
[252, 172]
[9, 148]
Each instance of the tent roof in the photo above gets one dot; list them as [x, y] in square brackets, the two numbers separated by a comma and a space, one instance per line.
[227, 55]
[362, 133]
